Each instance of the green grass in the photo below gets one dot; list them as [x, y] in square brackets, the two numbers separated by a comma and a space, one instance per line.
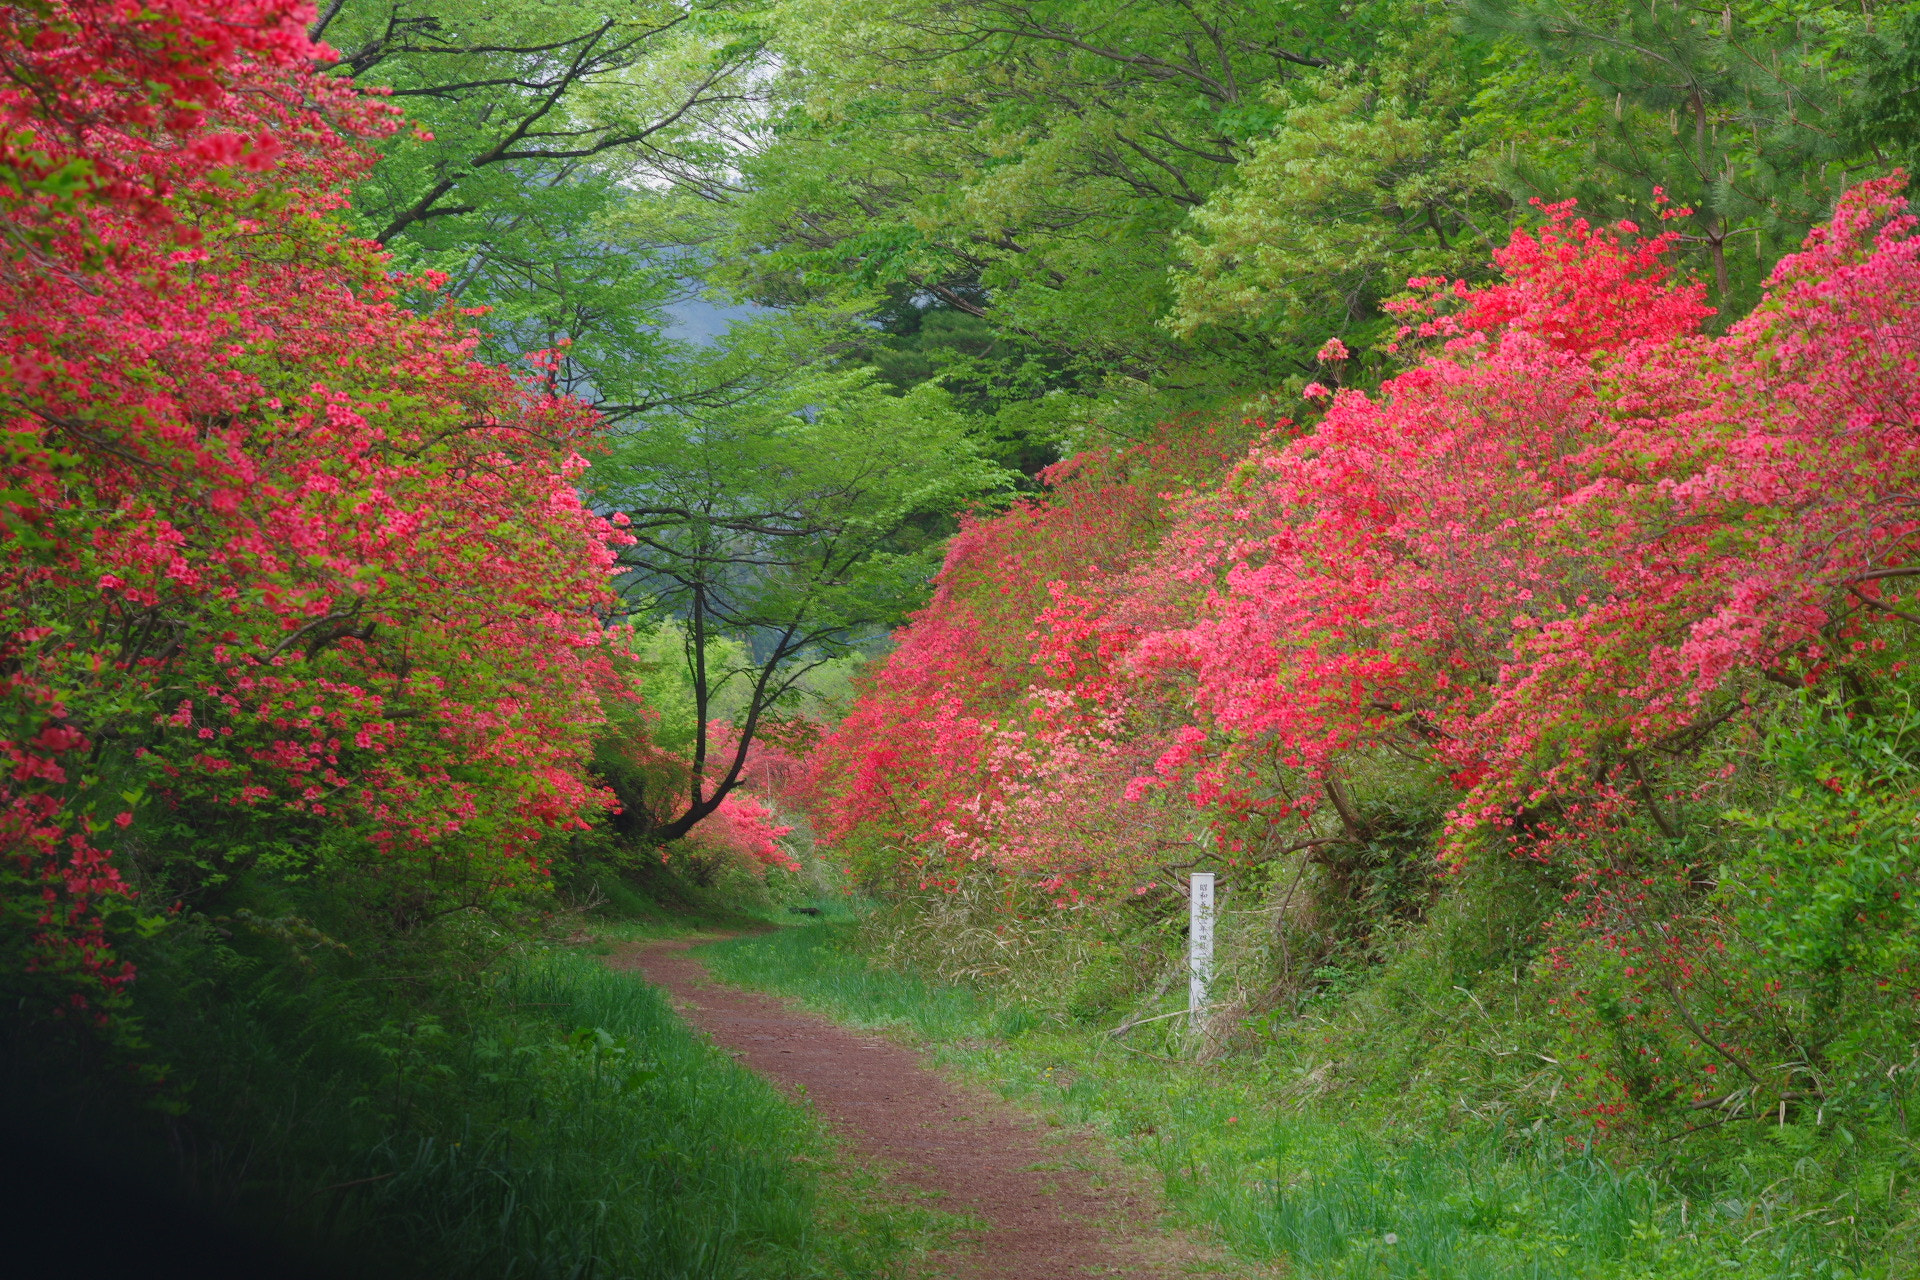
[550, 1119]
[650, 900]
[1246, 1147]
[601, 1138]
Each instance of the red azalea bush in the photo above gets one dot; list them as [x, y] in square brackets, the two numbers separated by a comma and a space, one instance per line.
[744, 827]
[1564, 569]
[291, 583]
[1576, 530]
[1542, 554]
[908, 783]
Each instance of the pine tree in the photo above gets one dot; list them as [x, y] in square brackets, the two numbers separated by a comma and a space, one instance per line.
[1737, 115]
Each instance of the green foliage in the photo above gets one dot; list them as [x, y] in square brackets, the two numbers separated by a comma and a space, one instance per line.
[1379, 872]
[1116, 211]
[1021, 394]
[668, 691]
[779, 535]
[1128, 210]
[1736, 113]
[1884, 116]
[541, 140]
[1030, 164]
[1371, 174]
[1825, 890]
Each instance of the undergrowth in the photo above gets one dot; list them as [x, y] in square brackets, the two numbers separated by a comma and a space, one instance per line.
[533, 1114]
[1377, 1176]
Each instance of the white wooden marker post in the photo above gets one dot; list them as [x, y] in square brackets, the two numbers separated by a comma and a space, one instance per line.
[1199, 948]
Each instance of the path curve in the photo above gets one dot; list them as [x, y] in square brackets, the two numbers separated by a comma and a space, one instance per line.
[1045, 1219]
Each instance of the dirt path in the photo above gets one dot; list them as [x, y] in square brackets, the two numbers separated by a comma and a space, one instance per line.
[1047, 1217]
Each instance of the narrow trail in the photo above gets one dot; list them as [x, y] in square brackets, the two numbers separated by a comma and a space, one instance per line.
[1046, 1215]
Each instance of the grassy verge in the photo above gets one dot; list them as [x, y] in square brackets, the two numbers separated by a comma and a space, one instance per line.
[646, 899]
[545, 1118]
[1246, 1146]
